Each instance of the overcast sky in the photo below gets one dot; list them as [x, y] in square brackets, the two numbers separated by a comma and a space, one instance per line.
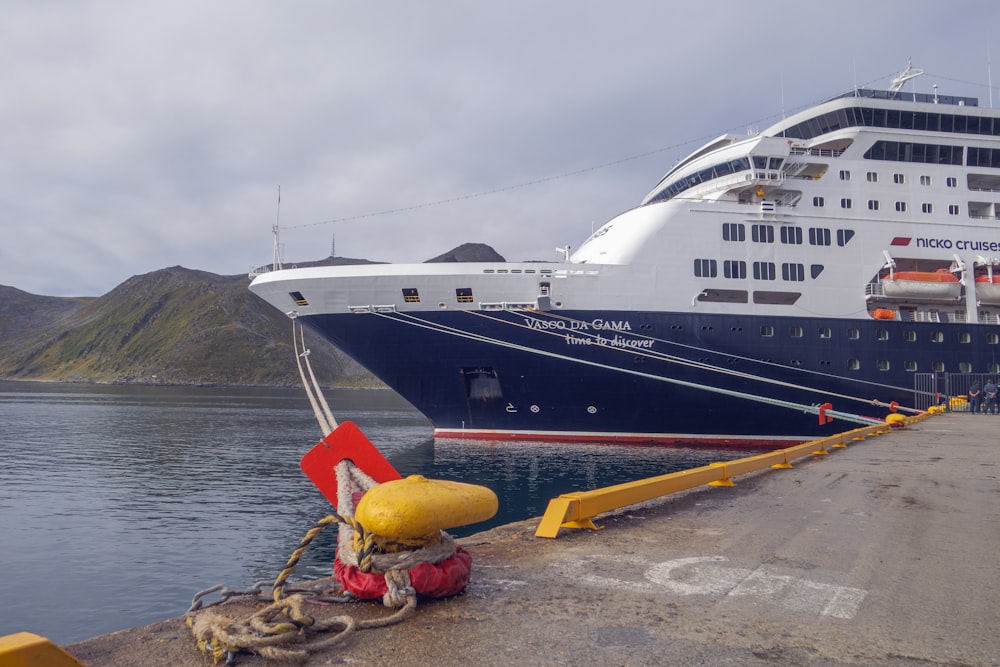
[139, 135]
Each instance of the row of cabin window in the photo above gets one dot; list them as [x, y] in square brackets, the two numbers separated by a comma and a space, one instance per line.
[899, 179]
[873, 205]
[737, 270]
[910, 336]
[761, 233]
[911, 366]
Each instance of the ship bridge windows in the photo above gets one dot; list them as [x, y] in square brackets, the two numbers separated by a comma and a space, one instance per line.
[904, 151]
[703, 176]
[920, 121]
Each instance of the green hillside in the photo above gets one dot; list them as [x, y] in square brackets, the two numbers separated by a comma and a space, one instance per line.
[173, 326]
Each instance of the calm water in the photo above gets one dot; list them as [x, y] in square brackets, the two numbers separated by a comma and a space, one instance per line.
[118, 504]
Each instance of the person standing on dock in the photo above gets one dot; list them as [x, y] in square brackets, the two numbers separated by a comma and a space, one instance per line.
[975, 397]
[990, 395]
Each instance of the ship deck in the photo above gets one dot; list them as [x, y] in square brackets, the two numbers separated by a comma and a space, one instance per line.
[883, 553]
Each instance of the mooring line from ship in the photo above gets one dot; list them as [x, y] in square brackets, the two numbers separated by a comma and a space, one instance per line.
[327, 423]
[661, 356]
[809, 409]
[743, 358]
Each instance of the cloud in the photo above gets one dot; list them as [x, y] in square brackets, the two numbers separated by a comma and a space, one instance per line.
[142, 135]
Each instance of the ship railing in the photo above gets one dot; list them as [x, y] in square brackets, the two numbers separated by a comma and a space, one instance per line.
[874, 291]
[508, 305]
[818, 152]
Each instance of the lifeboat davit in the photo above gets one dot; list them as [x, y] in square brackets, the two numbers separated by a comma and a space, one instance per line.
[988, 291]
[940, 285]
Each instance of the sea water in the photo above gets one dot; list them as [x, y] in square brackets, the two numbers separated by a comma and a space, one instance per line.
[119, 503]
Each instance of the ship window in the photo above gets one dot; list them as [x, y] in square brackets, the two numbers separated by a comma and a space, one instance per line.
[763, 270]
[853, 334]
[792, 272]
[766, 330]
[776, 298]
[544, 289]
[846, 202]
[883, 364]
[791, 235]
[927, 208]
[964, 337]
[795, 332]
[706, 268]
[815, 270]
[910, 336]
[898, 178]
[937, 337]
[819, 201]
[733, 231]
[938, 367]
[951, 182]
[953, 209]
[845, 175]
[872, 204]
[762, 233]
[411, 295]
[825, 332]
[844, 236]
[882, 334]
[925, 180]
[724, 295]
[901, 206]
[774, 162]
[910, 366]
[298, 298]
[819, 236]
[873, 177]
[964, 367]
[853, 364]
[993, 339]
[463, 294]
[734, 269]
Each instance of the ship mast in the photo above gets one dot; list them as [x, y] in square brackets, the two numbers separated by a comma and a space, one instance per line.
[276, 231]
[904, 76]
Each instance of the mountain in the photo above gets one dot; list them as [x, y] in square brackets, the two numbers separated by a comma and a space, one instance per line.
[172, 326]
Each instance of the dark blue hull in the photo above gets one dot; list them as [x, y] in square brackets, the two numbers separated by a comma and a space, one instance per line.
[569, 379]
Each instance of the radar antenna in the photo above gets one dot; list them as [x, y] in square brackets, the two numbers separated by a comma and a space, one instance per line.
[904, 76]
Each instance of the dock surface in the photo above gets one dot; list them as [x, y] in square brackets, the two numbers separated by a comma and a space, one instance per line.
[883, 553]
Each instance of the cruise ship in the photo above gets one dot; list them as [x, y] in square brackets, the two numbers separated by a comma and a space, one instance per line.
[769, 289]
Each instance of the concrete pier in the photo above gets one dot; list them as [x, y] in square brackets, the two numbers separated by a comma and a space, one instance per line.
[883, 553]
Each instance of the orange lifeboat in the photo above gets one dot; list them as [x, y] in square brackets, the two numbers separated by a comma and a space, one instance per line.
[988, 291]
[940, 285]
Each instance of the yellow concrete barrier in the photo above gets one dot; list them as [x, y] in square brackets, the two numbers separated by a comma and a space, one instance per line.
[25, 649]
[577, 509]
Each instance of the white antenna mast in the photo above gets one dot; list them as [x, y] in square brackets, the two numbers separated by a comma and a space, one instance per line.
[276, 262]
[989, 73]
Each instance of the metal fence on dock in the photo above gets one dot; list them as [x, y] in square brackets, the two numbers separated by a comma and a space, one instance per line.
[948, 389]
